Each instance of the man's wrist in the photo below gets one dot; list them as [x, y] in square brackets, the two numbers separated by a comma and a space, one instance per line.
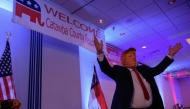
[99, 52]
[170, 56]
[101, 56]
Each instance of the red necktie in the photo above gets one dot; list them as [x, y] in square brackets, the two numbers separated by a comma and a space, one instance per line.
[146, 95]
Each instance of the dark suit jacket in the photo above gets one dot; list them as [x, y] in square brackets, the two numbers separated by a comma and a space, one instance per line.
[124, 85]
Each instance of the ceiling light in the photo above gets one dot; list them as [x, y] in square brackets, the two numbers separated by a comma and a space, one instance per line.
[122, 34]
[143, 46]
[100, 21]
[170, 2]
[188, 40]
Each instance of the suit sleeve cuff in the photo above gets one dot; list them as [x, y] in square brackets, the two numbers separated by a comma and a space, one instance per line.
[101, 57]
[171, 57]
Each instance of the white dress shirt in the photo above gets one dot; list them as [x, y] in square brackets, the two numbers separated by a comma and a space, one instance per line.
[138, 100]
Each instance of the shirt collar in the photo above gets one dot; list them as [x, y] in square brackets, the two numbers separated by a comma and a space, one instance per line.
[130, 69]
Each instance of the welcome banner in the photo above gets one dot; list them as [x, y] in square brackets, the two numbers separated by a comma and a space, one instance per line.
[46, 18]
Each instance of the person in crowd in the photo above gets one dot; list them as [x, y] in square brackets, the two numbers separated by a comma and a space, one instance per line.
[135, 85]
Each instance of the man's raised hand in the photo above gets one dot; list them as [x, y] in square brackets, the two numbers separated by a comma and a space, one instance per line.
[98, 45]
[175, 49]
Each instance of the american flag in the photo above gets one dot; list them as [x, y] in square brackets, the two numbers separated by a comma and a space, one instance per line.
[96, 94]
[7, 89]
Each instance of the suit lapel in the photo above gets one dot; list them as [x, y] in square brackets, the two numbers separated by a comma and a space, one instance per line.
[147, 76]
[128, 73]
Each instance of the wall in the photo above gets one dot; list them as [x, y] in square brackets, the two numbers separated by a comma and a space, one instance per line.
[174, 90]
[20, 52]
[166, 91]
[184, 84]
[60, 75]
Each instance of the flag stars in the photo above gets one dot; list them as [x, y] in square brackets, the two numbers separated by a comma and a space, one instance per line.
[36, 6]
[29, 3]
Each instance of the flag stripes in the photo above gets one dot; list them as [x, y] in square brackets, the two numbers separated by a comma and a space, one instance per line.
[100, 97]
[96, 93]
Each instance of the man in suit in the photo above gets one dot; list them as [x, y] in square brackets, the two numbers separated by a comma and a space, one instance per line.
[135, 85]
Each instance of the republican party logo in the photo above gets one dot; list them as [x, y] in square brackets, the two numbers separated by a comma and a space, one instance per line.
[30, 8]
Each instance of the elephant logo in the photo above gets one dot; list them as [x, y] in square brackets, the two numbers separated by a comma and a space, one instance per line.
[30, 8]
